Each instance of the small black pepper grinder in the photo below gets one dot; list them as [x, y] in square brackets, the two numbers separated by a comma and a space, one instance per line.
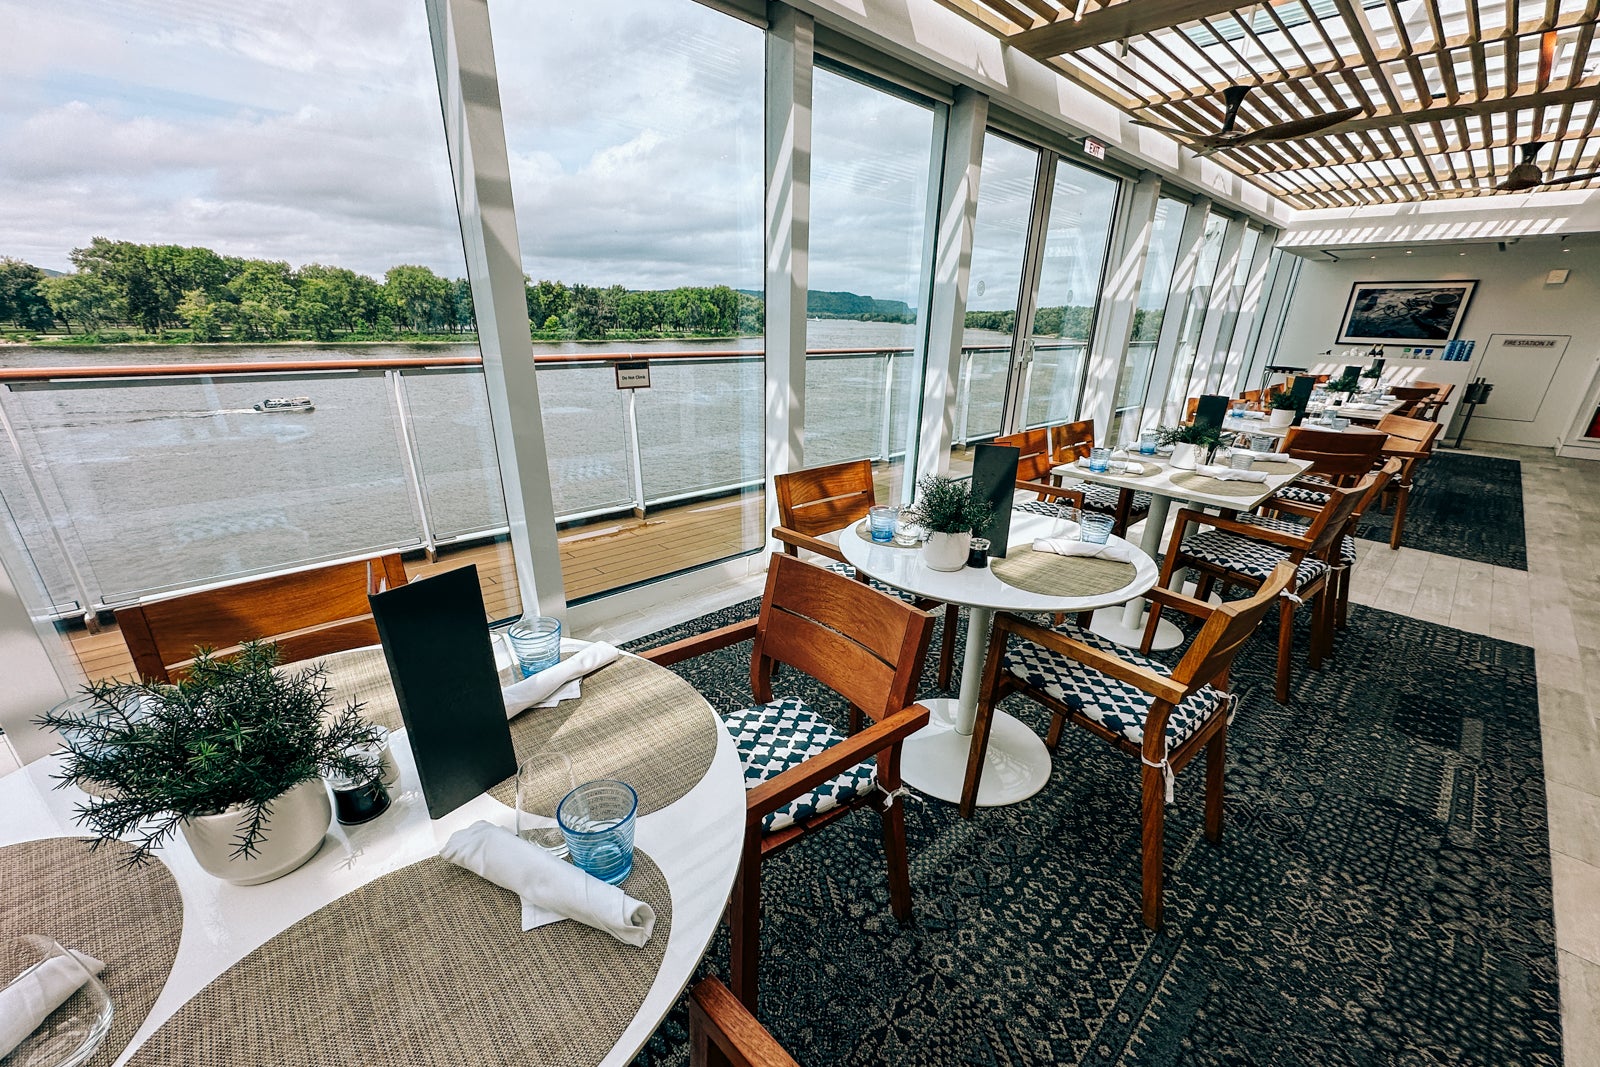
[978, 552]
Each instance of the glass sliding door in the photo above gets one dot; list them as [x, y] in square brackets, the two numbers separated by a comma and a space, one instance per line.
[1161, 258]
[1083, 203]
[872, 152]
[1194, 320]
[994, 288]
[635, 134]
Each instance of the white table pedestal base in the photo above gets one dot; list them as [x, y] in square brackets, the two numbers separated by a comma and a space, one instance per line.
[1112, 624]
[934, 759]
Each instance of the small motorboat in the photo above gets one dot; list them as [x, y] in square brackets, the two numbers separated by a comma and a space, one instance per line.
[286, 403]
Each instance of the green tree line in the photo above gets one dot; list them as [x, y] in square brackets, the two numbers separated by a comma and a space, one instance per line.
[178, 293]
[1071, 322]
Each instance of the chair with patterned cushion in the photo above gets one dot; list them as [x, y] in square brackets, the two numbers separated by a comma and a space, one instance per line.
[1336, 458]
[1072, 441]
[1237, 551]
[1164, 716]
[723, 1033]
[1411, 441]
[814, 503]
[801, 772]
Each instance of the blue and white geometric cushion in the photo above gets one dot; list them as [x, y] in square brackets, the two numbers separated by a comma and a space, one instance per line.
[1302, 493]
[1347, 544]
[1105, 497]
[1116, 705]
[1248, 557]
[1347, 551]
[850, 572]
[771, 738]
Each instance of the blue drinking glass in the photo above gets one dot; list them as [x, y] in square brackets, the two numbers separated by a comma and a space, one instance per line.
[1100, 460]
[536, 642]
[1147, 443]
[597, 820]
[1095, 529]
[880, 520]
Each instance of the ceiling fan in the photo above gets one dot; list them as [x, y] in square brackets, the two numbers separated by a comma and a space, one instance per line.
[1527, 175]
[1228, 137]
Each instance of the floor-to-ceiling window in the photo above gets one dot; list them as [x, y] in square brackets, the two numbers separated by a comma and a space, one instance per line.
[634, 130]
[1194, 318]
[1161, 257]
[235, 185]
[999, 247]
[1230, 339]
[872, 150]
[1083, 203]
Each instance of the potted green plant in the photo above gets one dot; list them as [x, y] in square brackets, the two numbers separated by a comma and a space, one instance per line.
[233, 755]
[1282, 405]
[1188, 442]
[948, 511]
[1348, 382]
[1371, 377]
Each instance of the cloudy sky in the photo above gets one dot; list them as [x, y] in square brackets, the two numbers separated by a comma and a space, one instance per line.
[309, 131]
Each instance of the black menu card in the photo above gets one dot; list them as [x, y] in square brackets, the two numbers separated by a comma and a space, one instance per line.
[1300, 388]
[436, 640]
[1211, 411]
[994, 479]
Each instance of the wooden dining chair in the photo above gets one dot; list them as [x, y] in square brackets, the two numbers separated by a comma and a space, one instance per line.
[1164, 716]
[813, 503]
[722, 1032]
[1241, 551]
[1411, 441]
[308, 613]
[1433, 405]
[1071, 441]
[1336, 458]
[801, 772]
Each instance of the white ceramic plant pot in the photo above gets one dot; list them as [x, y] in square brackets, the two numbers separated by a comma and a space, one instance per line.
[1185, 457]
[946, 551]
[1281, 417]
[293, 833]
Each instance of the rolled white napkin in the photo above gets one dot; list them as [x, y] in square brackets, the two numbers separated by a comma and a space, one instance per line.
[550, 889]
[1061, 546]
[554, 684]
[30, 998]
[1230, 474]
[1254, 454]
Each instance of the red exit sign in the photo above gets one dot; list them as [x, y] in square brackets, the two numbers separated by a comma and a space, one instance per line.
[1094, 148]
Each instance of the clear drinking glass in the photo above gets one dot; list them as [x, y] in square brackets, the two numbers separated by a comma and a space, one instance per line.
[1095, 529]
[1147, 443]
[597, 820]
[72, 1033]
[906, 532]
[543, 779]
[1066, 519]
[536, 642]
[1099, 460]
[880, 519]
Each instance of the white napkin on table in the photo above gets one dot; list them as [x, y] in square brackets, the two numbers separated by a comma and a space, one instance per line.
[554, 684]
[1253, 454]
[30, 998]
[1063, 547]
[1230, 474]
[551, 890]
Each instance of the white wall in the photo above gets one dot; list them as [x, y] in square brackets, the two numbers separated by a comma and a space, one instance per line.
[1511, 297]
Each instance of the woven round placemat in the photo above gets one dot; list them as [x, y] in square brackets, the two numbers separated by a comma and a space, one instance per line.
[1272, 467]
[1216, 487]
[864, 531]
[427, 965]
[1053, 575]
[130, 920]
[635, 721]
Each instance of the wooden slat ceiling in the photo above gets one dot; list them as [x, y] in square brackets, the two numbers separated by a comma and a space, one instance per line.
[1447, 89]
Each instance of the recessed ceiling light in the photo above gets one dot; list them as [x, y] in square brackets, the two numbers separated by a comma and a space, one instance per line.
[1460, 253]
[1372, 257]
[1408, 251]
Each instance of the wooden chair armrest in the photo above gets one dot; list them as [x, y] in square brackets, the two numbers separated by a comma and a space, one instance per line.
[774, 793]
[700, 644]
[719, 1016]
[1157, 685]
[806, 541]
[1257, 533]
[1171, 598]
[1291, 507]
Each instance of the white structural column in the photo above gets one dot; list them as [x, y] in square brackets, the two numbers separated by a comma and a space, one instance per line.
[1220, 315]
[791, 52]
[947, 307]
[1283, 271]
[469, 93]
[1247, 324]
[1191, 246]
[1119, 300]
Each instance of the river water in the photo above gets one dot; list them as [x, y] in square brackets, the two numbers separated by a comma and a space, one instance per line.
[156, 484]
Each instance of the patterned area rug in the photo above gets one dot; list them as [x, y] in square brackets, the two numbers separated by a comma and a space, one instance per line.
[1381, 896]
[1462, 505]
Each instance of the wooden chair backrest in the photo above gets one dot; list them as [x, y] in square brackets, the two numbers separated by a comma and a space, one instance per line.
[822, 499]
[1211, 653]
[1420, 391]
[865, 645]
[1439, 392]
[1190, 406]
[1251, 398]
[1072, 440]
[1385, 474]
[1034, 464]
[1330, 521]
[1414, 435]
[308, 613]
[1341, 458]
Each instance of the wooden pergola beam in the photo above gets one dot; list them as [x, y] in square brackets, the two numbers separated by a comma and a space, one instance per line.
[1104, 25]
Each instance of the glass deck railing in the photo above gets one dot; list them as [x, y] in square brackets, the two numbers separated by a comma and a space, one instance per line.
[124, 482]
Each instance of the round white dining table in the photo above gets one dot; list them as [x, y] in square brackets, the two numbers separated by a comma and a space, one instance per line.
[695, 841]
[934, 760]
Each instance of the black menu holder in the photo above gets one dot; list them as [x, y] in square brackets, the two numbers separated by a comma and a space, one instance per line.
[436, 640]
[1211, 411]
[1300, 388]
[994, 479]
[1352, 372]
[1377, 365]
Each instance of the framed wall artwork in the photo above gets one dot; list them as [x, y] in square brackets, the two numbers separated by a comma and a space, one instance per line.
[1387, 313]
